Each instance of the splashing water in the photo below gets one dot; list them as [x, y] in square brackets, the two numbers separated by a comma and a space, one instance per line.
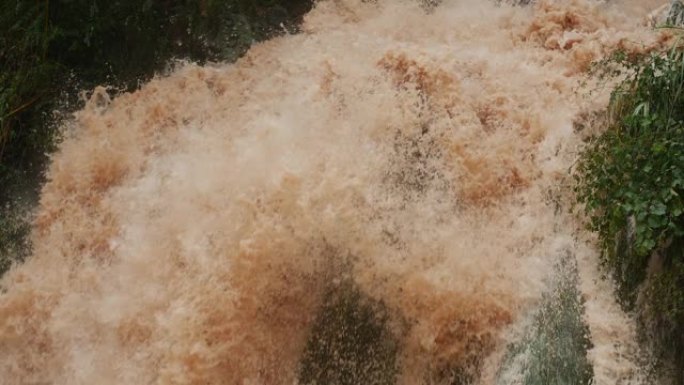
[196, 231]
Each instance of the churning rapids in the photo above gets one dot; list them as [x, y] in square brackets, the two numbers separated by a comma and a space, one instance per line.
[411, 164]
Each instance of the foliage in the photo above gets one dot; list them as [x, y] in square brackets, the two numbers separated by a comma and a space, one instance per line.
[631, 178]
[25, 81]
[631, 181]
[50, 50]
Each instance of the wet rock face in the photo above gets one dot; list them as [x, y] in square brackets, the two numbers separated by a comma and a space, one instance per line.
[668, 14]
[659, 313]
[350, 342]
[675, 14]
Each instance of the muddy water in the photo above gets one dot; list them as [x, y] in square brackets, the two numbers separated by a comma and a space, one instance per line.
[192, 231]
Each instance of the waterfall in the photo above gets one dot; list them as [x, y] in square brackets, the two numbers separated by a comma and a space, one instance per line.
[382, 198]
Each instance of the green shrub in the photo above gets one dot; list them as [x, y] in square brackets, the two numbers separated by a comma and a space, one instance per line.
[631, 182]
[631, 178]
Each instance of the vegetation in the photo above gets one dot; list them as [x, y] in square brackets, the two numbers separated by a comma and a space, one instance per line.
[631, 182]
[51, 50]
[631, 178]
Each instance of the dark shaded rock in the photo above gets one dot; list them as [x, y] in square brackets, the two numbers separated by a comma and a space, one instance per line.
[350, 342]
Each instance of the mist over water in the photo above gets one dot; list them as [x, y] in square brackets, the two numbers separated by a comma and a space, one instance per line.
[399, 171]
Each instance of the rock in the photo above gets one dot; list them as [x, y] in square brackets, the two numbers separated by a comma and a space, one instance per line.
[675, 14]
[668, 14]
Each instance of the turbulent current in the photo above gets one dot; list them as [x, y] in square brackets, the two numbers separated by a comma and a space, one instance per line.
[385, 194]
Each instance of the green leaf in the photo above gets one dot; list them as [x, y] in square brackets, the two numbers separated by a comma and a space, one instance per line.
[653, 221]
[658, 208]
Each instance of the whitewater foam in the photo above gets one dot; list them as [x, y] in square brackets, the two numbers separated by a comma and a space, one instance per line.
[189, 230]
